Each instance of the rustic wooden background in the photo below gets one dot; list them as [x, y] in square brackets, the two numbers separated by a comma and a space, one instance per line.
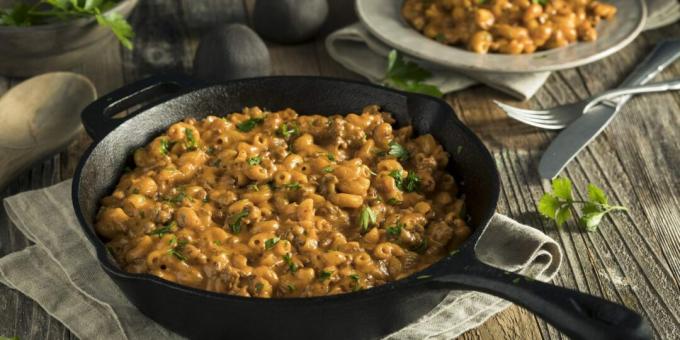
[633, 259]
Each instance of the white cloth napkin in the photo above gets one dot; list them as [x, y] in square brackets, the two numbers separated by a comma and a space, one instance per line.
[360, 52]
[60, 272]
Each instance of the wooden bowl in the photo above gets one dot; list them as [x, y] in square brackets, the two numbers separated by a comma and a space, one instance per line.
[28, 51]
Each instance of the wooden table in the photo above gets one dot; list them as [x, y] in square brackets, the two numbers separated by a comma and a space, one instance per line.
[633, 259]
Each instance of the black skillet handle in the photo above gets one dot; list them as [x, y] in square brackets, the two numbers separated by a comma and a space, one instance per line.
[578, 315]
[97, 117]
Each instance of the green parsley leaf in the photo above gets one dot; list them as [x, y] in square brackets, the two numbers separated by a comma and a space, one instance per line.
[366, 218]
[178, 199]
[562, 188]
[399, 68]
[162, 230]
[190, 142]
[165, 146]
[51, 11]
[119, 26]
[596, 195]
[259, 286]
[12, 338]
[288, 131]
[408, 76]
[249, 124]
[291, 287]
[254, 187]
[559, 204]
[440, 37]
[293, 186]
[235, 224]
[255, 160]
[398, 179]
[288, 259]
[354, 277]
[398, 151]
[548, 205]
[412, 182]
[395, 230]
[330, 157]
[393, 201]
[270, 243]
[327, 169]
[540, 2]
[325, 275]
[176, 251]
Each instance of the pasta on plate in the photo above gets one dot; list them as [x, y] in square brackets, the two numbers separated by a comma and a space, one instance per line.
[507, 26]
[276, 204]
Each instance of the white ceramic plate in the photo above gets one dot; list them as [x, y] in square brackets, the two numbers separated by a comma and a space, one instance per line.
[383, 19]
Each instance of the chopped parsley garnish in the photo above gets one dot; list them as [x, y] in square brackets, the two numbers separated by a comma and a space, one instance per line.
[325, 275]
[249, 124]
[217, 242]
[409, 184]
[210, 150]
[235, 224]
[165, 147]
[366, 218]
[395, 230]
[393, 201]
[398, 151]
[540, 2]
[191, 143]
[398, 179]
[330, 157]
[178, 247]
[259, 286]
[254, 187]
[179, 198]
[287, 131]
[270, 243]
[293, 186]
[291, 287]
[412, 182]
[327, 169]
[354, 277]
[288, 258]
[162, 230]
[255, 160]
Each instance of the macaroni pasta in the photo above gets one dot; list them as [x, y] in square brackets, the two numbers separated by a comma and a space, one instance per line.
[273, 204]
[507, 26]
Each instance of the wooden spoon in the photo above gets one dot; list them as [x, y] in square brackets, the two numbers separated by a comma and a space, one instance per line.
[40, 116]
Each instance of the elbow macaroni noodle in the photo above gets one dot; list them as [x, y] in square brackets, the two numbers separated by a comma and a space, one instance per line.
[507, 26]
[272, 204]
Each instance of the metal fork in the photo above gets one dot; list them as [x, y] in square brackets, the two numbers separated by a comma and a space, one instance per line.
[663, 54]
[560, 116]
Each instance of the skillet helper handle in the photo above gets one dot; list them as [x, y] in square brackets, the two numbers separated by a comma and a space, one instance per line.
[663, 54]
[578, 315]
[98, 117]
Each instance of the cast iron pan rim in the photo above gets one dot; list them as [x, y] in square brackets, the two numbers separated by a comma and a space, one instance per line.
[466, 250]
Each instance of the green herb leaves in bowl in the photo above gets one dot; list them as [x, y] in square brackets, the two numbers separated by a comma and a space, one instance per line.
[46, 12]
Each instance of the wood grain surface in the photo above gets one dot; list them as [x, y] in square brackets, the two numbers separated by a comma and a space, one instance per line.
[633, 259]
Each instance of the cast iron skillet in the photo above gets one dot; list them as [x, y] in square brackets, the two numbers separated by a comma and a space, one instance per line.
[361, 315]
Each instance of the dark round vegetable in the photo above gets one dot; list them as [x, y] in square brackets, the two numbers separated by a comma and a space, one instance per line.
[289, 21]
[231, 52]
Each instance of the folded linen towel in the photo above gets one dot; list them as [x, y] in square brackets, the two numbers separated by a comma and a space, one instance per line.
[60, 272]
[355, 48]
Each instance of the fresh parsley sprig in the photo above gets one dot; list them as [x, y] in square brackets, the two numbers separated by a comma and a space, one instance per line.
[235, 221]
[559, 205]
[247, 125]
[49, 11]
[408, 76]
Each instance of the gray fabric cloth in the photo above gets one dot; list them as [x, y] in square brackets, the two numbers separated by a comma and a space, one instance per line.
[61, 274]
[360, 52]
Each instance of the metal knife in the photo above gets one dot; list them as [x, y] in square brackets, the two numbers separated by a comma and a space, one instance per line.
[584, 129]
